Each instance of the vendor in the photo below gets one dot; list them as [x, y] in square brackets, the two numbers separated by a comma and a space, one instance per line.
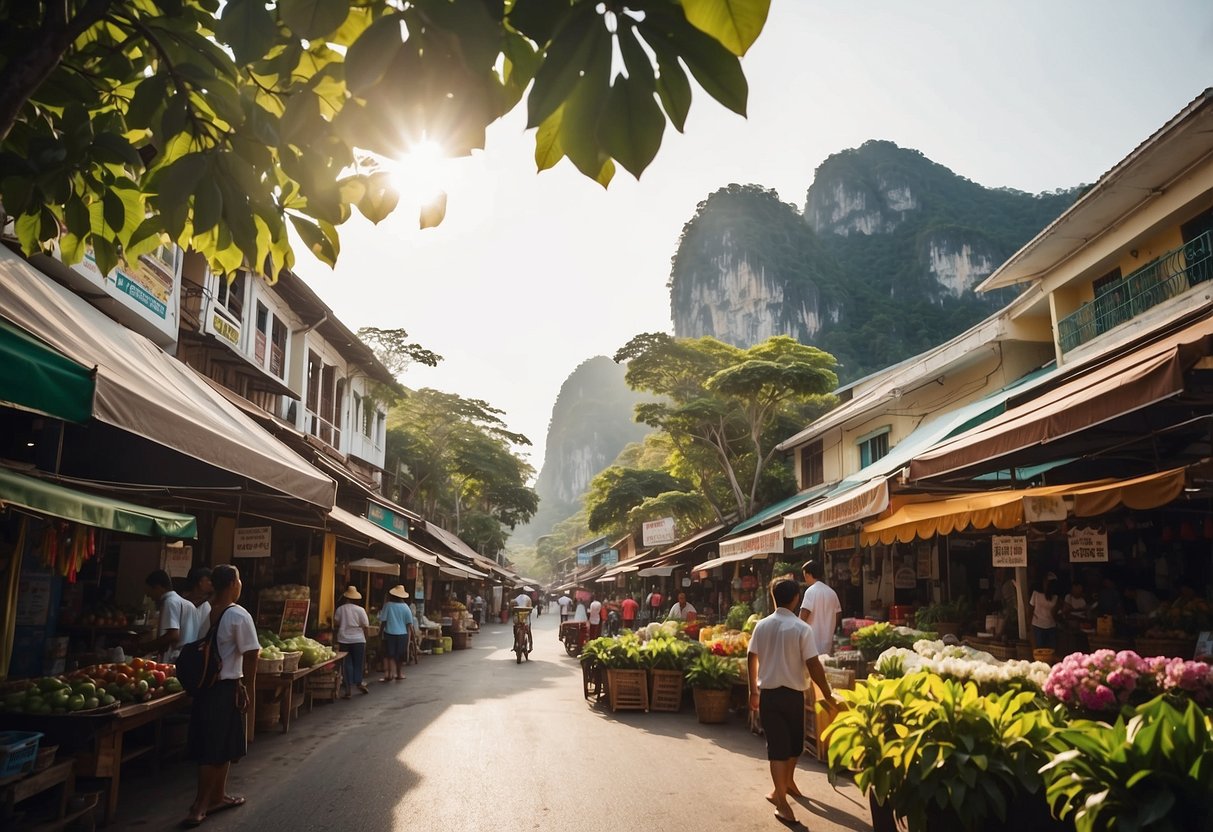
[176, 613]
[1074, 605]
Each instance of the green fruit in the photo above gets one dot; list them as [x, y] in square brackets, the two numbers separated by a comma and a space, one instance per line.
[91, 702]
[107, 699]
[141, 686]
[75, 702]
[86, 688]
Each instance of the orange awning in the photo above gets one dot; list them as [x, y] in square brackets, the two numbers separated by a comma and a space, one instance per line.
[1131, 382]
[1005, 509]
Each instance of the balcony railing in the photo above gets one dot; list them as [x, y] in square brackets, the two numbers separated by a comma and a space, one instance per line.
[1158, 281]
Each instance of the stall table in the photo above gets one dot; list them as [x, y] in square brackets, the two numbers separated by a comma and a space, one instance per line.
[59, 775]
[282, 688]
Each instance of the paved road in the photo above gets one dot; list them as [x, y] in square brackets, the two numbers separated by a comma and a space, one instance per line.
[473, 741]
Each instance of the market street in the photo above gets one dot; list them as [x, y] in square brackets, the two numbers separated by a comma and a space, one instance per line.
[473, 741]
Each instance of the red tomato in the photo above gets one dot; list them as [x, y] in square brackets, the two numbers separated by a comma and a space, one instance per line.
[158, 675]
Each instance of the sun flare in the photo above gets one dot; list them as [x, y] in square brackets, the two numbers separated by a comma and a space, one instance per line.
[419, 173]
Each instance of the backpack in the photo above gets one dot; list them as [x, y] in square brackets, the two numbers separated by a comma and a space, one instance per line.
[198, 663]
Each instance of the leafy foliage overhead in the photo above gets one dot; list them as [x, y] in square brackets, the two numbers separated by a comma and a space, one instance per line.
[213, 125]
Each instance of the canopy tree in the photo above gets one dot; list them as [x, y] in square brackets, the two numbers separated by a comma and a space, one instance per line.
[128, 123]
[724, 409]
[453, 460]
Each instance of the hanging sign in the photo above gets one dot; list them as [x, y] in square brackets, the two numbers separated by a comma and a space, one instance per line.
[905, 578]
[757, 544]
[178, 560]
[385, 518]
[1010, 550]
[658, 532]
[251, 542]
[844, 543]
[923, 553]
[1047, 509]
[1088, 546]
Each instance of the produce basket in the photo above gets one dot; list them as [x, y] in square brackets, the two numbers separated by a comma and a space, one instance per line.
[627, 690]
[666, 694]
[46, 756]
[18, 752]
[290, 661]
[268, 714]
[270, 666]
[712, 706]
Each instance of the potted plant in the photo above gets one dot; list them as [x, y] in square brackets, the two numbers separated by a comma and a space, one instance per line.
[711, 679]
[627, 682]
[945, 617]
[593, 670]
[737, 615]
[933, 753]
[667, 660]
[874, 639]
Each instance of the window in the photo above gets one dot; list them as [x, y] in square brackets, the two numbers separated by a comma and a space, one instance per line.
[812, 465]
[278, 348]
[873, 447]
[368, 419]
[313, 381]
[380, 428]
[263, 322]
[231, 295]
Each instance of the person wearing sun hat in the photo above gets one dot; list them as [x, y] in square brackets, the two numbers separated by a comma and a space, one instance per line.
[350, 625]
[398, 623]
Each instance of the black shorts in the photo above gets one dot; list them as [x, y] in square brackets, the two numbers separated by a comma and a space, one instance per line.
[395, 647]
[216, 734]
[782, 713]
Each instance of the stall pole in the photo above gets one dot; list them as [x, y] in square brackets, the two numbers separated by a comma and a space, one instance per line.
[9, 624]
[328, 567]
[1021, 579]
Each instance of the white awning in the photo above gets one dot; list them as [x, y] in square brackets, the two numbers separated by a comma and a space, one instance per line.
[738, 556]
[449, 566]
[848, 507]
[657, 572]
[366, 528]
[756, 545]
[145, 391]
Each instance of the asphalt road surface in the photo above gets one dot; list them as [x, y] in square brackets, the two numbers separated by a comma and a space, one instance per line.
[474, 741]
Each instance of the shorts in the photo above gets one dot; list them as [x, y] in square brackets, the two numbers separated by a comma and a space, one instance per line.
[395, 647]
[216, 729]
[782, 713]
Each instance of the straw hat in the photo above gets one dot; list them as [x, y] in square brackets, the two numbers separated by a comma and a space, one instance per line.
[398, 592]
[352, 593]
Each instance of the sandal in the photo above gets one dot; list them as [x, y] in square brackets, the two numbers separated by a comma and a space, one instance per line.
[401, 676]
[228, 803]
[191, 821]
[386, 679]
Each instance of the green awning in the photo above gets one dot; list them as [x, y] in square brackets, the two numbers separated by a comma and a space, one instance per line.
[101, 512]
[782, 507]
[37, 377]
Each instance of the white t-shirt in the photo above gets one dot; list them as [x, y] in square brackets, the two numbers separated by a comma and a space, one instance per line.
[783, 643]
[681, 612]
[595, 612]
[822, 603]
[237, 636]
[564, 602]
[580, 614]
[191, 627]
[522, 600]
[1044, 611]
[176, 613]
[348, 621]
[1076, 604]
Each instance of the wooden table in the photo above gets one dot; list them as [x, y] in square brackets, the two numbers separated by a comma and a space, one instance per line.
[60, 775]
[281, 688]
[106, 760]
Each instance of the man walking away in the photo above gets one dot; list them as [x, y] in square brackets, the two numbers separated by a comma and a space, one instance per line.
[782, 657]
[566, 605]
[595, 618]
[820, 608]
[629, 607]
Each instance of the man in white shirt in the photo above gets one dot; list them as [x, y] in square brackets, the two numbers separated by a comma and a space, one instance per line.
[176, 614]
[522, 599]
[565, 603]
[820, 608]
[198, 591]
[683, 609]
[595, 618]
[782, 657]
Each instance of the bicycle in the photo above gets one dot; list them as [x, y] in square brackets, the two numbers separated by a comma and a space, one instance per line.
[523, 643]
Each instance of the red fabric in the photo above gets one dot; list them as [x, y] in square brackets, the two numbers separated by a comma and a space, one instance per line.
[629, 609]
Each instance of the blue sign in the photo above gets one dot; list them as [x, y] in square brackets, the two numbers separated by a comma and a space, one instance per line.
[806, 540]
[387, 519]
[609, 557]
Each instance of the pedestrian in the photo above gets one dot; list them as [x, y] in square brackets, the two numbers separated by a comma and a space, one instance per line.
[682, 609]
[351, 627]
[198, 591]
[217, 721]
[653, 604]
[782, 658]
[1044, 604]
[595, 618]
[629, 608]
[478, 608]
[398, 626]
[581, 616]
[176, 614]
[566, 605]
[820, 608]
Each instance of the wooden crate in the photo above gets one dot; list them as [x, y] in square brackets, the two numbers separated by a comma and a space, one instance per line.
[322, 684]
[628, 690]
[666, 691]
[816, 722]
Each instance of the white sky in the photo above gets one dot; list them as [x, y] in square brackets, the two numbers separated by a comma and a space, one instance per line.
[529, 275]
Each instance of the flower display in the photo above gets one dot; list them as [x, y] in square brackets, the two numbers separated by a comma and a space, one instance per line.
[963, 664]
[1106, 680]
[1185, 615]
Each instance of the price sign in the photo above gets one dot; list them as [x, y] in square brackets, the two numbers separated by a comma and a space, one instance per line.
[252, 542]
[178, 560]
[1010, 550]
[294, 617]
[1088, 546]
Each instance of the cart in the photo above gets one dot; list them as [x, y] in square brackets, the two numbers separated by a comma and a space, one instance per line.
[573, 634]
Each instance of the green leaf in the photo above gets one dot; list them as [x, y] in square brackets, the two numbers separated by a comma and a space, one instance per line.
[538, 19]
[75, 216]
[104, 253]
[547, 141]
[311, 19]
[735, 23]
[369, 58]
[575, 47]
[145, 239]
[111, 147]
[434, 211]
[208, 204]
[27, 228]
[248, 27]
[380, 197]
[314, 239]
[632, 125]
[715, 68]
[673, 88]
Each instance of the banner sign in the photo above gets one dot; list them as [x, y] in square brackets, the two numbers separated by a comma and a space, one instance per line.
[658, 532]
[1010, 550]
[850, 507]
[842, 543]
[385, 518]
[1044, 509]
[1088, 546]
[761, 543]
[178, 560]
[251, 542]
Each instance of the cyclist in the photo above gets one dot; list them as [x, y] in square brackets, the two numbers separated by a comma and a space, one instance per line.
[521, 601]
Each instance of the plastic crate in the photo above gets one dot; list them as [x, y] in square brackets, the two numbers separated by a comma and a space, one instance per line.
[18, 752]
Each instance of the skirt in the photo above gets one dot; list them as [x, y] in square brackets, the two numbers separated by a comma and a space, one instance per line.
[216, 725]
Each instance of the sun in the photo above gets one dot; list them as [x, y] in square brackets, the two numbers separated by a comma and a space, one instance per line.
[419, 173]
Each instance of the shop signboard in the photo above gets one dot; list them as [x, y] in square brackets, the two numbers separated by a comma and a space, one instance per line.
[1044, 509]
[609, 557]
[251, 542]
[218, 323]
[842, 543]
[178, 560]
[1009, 550]
[385, 518]
[294, 617]
[806, 540]
[146, 292]
[923, 551]
[906, 577]
[658, 532]
[850, 507]
[1088, 546]
[769, 542]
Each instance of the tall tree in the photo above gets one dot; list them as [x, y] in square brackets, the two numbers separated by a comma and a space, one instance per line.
[453, 460]
[724, 409]
[125, 123]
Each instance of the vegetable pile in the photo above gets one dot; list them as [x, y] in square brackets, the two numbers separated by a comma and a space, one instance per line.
[90, 688]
